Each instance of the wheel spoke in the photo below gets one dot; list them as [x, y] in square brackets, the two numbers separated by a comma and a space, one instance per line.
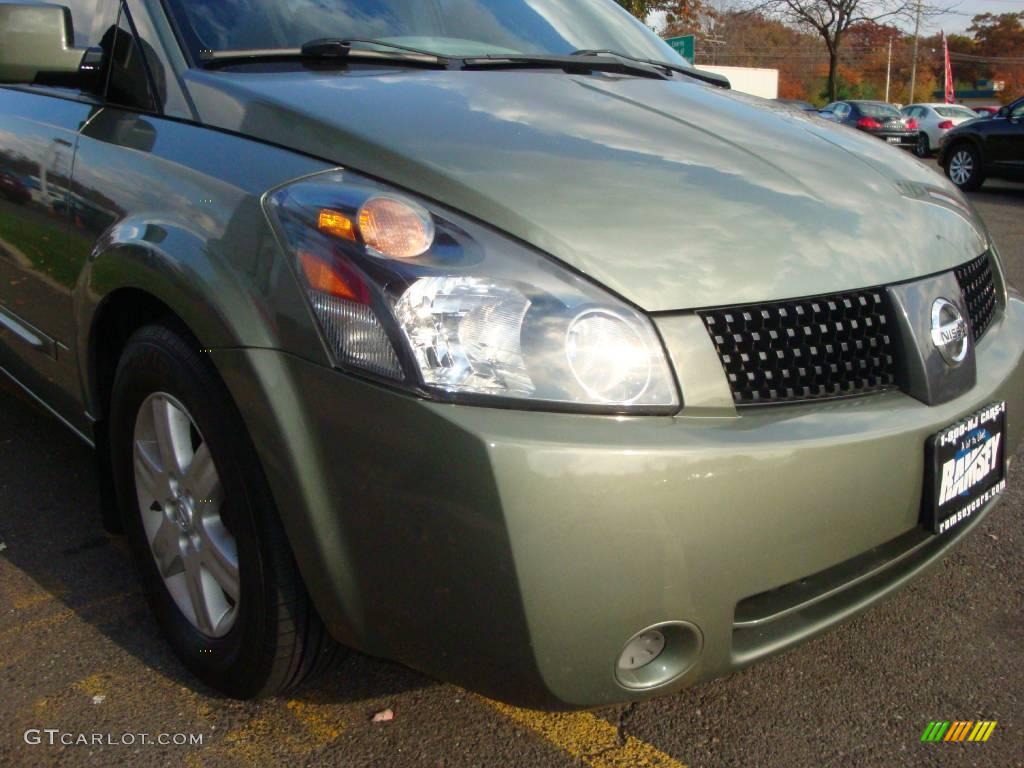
[166, 544]
[195, 583]
[172, 436]
[150, 479]
[180, 497]
[201, 479]
[219, 554]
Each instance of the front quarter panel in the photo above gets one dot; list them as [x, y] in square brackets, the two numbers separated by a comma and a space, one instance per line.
[173, 210]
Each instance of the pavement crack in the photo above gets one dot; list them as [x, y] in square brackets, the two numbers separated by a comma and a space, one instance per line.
[620, 726]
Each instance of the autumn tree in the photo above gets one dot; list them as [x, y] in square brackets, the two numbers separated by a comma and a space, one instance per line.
[678, 13]
[999, 41]
[832, 21]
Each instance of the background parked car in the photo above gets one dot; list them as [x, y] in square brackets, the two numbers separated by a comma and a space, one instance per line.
[987, 111]
[982, 149]
[804, 106]
[12, 188]
[877, 118]
[935, 121]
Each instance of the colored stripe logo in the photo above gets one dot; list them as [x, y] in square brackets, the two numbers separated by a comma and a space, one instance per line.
[959, 730]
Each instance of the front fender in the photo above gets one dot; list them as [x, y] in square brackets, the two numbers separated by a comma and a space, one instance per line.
[235, 291]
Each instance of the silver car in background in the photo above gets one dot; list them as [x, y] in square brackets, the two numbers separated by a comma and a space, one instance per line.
[935, 121]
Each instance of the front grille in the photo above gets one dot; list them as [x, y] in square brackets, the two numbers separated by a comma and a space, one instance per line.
[979, 289]
[810, 349]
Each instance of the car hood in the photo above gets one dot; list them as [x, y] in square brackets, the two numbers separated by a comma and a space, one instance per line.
[674, 194]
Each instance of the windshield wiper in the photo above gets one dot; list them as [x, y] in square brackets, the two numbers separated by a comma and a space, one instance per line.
[581, 64]
[707, 77]
[328, 50]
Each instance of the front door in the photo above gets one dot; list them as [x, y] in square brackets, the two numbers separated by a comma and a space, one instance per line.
[40, 260]
[1005, 142]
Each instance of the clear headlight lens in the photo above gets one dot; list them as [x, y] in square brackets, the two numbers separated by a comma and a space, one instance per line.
[608, 356]
[409, 292]
[465, 334]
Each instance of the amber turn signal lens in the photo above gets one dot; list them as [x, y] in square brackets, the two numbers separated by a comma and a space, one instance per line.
[395, 228]
[336, 224]
[323, 278]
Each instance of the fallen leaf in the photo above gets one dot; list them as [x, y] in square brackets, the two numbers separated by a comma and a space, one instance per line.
[384, 716]
[99, 699]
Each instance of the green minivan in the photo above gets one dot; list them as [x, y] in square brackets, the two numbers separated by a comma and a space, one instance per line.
[487, 336]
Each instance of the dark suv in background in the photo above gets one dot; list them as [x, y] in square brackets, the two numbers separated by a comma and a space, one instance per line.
[983, 149]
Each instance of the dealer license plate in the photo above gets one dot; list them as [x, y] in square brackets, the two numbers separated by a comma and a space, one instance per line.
[966, 468]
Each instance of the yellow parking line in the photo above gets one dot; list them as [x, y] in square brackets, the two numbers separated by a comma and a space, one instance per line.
[28, 601]
[263, 737]
[93, 685]
[588, 738]
[19, 591]
[64, 614]
[315, 719]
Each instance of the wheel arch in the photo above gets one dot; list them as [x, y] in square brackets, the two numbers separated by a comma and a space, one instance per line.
[143, 273]
[959, 141]
[144, 269]
[120, 315]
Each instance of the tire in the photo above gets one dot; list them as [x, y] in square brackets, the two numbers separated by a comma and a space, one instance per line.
[212, 522]
[964, 168]
[923, 147]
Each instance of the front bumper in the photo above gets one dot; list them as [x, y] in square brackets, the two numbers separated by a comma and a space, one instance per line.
[515, 553]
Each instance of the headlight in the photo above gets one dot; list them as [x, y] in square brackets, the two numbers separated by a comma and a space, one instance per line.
[411, 293]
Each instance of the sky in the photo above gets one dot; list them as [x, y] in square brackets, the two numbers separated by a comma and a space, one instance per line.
[960, 20]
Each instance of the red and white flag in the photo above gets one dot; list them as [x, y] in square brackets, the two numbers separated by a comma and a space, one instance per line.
[950, 92]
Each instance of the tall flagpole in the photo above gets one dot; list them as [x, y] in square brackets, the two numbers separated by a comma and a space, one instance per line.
[949, 92]
[888, 72]
[913, 66]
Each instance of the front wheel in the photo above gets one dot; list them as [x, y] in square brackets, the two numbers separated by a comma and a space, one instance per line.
[964, 168]
[923, 147]
[215, 564]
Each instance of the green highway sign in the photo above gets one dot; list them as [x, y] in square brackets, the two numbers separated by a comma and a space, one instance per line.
[685, 46]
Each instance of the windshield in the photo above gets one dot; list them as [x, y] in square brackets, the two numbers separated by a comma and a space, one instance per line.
[457, 28]
[880, 111]
[955, 112]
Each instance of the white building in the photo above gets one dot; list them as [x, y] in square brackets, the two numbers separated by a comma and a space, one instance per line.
[756, 82]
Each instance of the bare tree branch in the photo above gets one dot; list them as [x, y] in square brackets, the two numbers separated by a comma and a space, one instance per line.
[832, 19]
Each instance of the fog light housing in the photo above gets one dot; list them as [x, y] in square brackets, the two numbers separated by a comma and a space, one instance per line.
[659, 655]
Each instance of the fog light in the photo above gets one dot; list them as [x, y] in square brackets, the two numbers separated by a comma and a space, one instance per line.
[659, 655]
[642, 650]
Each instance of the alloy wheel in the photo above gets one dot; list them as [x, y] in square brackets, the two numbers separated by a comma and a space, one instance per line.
[961, 167]
[180, 499]
[923, 148]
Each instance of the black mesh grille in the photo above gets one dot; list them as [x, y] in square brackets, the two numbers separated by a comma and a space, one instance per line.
[809, 349]
[978, 285]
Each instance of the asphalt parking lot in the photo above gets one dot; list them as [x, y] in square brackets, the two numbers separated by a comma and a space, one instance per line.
[79, 653]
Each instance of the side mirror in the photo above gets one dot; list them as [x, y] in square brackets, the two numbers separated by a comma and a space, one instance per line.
[1003, 112]
[37, 44]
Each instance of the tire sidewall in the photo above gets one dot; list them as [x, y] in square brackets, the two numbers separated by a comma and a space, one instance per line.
[923, 147]
[156, 361]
